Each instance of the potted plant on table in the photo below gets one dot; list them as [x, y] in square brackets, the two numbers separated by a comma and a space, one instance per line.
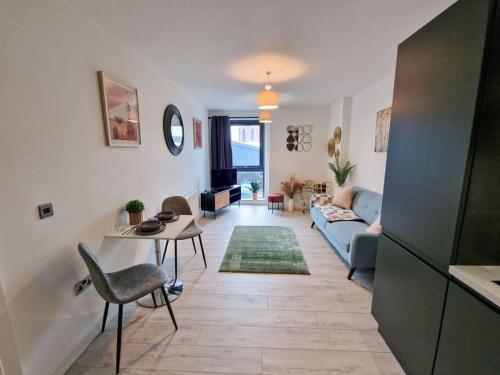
[254, 188]
[134, 208]
[341, 171]
[291, 187]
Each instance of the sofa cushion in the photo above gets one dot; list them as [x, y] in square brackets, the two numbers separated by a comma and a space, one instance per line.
[366, 204]
[375, 228]
[343, 197]
[343, 231]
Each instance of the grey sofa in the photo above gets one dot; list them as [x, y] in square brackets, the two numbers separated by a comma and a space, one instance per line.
[350, 238]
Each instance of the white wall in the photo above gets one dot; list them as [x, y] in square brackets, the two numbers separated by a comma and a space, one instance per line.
[52, 149]
[370, 169]
[306, 165]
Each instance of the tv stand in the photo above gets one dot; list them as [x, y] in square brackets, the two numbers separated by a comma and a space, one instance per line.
[215, 199]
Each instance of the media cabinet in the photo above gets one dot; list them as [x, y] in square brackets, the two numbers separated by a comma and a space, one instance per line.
[215, 199]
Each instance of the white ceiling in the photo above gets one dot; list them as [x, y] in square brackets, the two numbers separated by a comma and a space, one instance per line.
[218, 50]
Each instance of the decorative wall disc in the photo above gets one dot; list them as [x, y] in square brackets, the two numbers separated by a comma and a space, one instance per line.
[331, 147]
[307, 146]
[337, 135]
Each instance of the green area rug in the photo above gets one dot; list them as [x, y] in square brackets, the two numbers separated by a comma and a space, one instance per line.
[264, 249]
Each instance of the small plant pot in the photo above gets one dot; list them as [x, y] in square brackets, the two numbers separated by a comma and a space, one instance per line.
[291, 207]
[255, 196]
[135, 218]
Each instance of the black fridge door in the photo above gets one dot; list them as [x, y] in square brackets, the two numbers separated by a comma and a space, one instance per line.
[408, 302]
[436, 88]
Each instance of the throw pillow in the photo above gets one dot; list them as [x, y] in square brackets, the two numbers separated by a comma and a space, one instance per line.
[375, 227]
[343, 197]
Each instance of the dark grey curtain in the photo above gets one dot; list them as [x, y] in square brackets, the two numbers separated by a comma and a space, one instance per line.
[220, 139]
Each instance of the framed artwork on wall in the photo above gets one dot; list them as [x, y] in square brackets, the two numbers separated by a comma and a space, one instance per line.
[197, 134]
[382, 128]
[120, 111]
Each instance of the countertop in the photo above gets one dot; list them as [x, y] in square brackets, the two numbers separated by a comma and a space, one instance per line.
[480, 279]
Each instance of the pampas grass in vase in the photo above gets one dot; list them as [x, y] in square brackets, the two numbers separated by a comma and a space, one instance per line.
[291, 187]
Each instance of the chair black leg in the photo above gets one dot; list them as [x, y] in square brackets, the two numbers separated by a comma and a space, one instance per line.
[192, 240]
[167, 302]
[164, 253]
[154, 299]
[119, 337]
[202, 251]
[175, 242]
[105, 317]
[312, 225]
[351, 272]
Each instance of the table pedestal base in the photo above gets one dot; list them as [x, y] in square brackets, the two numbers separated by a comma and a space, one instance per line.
[173, 290]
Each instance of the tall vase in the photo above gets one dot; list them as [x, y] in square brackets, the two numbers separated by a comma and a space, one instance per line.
[290, 205]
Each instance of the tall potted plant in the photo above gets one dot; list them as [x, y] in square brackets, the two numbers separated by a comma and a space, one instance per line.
[134, 208]
[254, 188]
[341, 171]
[291, 187]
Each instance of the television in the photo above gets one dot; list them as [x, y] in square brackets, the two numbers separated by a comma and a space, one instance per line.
[223, 178]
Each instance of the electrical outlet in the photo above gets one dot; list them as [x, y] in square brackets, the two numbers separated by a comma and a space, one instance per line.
[80, 286]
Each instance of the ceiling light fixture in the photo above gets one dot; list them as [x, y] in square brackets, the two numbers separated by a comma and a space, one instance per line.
[265, 117]
[268, 98]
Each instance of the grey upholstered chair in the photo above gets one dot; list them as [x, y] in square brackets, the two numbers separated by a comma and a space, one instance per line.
[124, 286]
[180, 206]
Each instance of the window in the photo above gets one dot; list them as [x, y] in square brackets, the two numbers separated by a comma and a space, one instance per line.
[247, 141]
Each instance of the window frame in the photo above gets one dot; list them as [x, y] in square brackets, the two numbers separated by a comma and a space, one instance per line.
[250, 122]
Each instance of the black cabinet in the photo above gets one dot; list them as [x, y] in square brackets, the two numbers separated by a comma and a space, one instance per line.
[469, 342]
[441, 201]
[408, 304]
[480, 232]
[216, 199]
[437, 85]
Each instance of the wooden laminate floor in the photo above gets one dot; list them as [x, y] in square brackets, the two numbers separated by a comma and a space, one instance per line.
[250, 323]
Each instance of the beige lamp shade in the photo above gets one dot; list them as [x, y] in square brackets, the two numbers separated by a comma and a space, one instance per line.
[265, 117]
[267, 99]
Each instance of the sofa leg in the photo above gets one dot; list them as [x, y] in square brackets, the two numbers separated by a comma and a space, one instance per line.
[351, 272]
[312, 225]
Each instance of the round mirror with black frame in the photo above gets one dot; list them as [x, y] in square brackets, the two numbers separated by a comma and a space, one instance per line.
[173, 129]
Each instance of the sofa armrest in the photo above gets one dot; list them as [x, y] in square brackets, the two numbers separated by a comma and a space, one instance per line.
[363, 250]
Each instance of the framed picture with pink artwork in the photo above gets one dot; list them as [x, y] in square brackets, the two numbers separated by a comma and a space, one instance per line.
[120, 111]
[197, 134]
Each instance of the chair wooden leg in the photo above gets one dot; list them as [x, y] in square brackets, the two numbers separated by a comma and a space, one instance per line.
[105, 317]
[194, 246]
[202, 251]
[351, 272]
[119, 337]
[164, 253]
[154, 299]
[175, 247]
[167, 302]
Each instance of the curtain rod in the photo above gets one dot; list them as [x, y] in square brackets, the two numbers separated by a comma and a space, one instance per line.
[241, 118]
